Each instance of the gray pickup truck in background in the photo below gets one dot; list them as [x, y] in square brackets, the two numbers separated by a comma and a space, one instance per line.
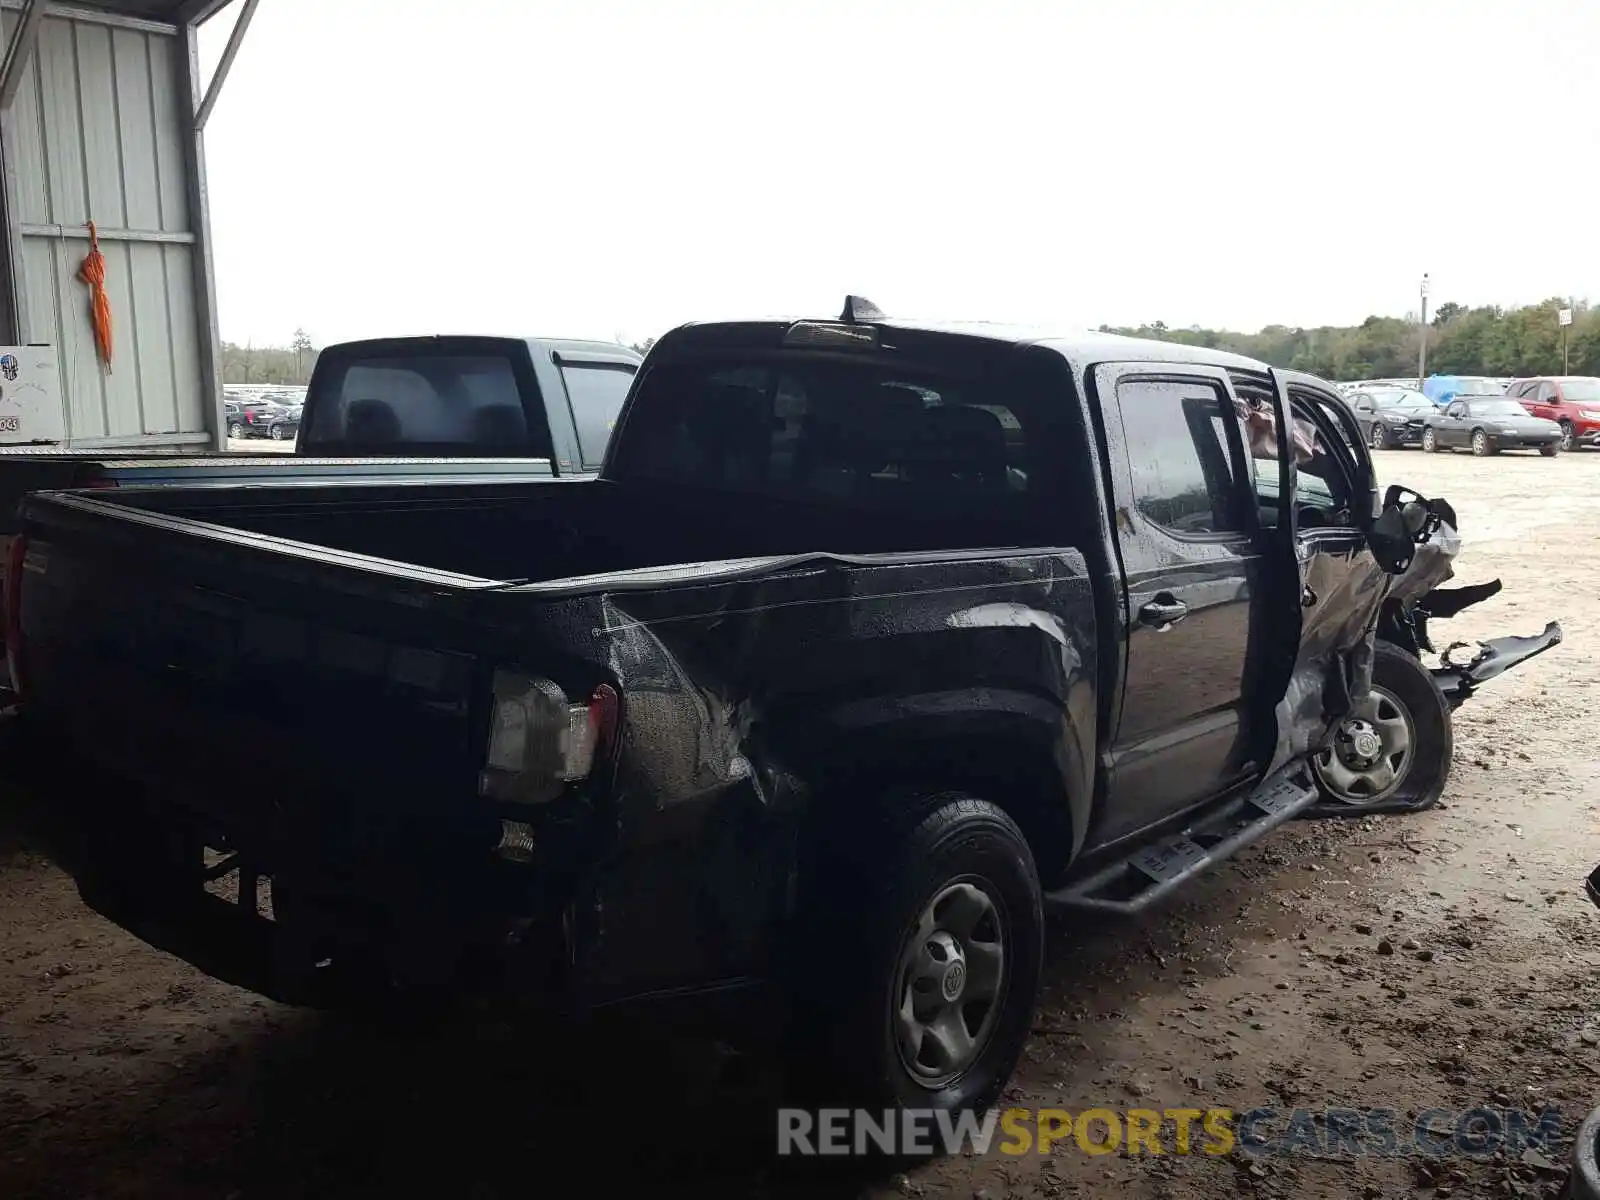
[422, 410]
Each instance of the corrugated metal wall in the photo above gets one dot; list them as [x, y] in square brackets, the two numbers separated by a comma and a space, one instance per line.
[97, 135]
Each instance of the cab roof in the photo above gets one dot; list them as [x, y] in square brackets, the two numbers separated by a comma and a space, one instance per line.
[1079, 348]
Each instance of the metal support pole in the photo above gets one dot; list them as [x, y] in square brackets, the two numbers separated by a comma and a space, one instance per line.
[203, 113]
[19, 51]
[187, 62]
[1422, 340]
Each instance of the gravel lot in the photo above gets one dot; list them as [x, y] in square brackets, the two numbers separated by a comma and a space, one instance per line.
[125, 1073]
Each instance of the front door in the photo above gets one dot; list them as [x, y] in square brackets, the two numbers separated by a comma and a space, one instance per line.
[1187, 532]
[1341, 584]
[1452, 428]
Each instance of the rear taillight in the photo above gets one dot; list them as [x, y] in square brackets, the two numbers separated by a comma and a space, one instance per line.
[15, 557]
[540, 741]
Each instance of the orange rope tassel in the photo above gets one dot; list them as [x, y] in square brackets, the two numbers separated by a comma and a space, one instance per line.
[93, 272]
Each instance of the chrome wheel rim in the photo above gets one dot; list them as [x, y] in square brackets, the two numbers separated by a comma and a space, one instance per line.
[1480, 443]
[1377, 437]
[1427, 439]
[1372, 751]
[950, 983]
[1566, 437]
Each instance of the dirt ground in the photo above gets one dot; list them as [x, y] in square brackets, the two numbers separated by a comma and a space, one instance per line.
[1446, 960]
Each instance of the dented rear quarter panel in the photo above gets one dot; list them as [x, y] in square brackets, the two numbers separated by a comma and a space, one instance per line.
[750, 706]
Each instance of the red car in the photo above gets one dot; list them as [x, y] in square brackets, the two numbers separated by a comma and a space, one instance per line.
[1572, 401]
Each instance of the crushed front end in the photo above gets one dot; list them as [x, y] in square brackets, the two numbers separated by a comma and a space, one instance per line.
[1417, 599]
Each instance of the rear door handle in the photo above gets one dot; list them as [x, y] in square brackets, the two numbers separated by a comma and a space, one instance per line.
[1166, 609]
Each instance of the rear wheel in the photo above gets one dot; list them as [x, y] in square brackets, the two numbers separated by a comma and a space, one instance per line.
[1568, 435]
[1393, 752]
[1548, 450]
[236, 430]
[1430, 441]
[1481, 446]
[922, 951]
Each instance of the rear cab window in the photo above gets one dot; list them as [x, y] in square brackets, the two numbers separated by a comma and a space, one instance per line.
[473, 398]
[830, 431]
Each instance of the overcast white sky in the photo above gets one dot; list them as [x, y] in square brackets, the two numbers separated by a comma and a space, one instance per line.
[605, 168]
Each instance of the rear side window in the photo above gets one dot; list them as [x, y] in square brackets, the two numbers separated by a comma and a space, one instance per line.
[597, 391]
[1188, 474]
[855, 433]
[467, 403]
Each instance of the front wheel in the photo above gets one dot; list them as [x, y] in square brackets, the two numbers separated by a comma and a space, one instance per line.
[1430, 441]
[236, 430]
[931, 941]
[1380, 437]
[1481, 447]
[1548, 450]
[1568, 435]
[1393, 752]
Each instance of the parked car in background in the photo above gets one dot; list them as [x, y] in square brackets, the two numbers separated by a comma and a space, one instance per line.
[1571, 401]
[1488, 425]
[264, 418]
[1442, 389]
[1391, 416]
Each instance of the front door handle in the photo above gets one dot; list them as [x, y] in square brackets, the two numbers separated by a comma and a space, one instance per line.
[1166, 609]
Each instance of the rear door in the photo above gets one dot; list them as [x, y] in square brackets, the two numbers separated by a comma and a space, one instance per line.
[1188, 535]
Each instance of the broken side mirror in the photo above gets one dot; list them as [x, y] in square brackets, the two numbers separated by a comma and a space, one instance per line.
[1406, 521]
[1392, 541]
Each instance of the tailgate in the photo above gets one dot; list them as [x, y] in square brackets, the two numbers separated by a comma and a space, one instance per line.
[274, 695]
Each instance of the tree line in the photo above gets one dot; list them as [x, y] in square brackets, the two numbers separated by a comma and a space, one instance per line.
[279, 365]
[1487, 340]
[1461, 341]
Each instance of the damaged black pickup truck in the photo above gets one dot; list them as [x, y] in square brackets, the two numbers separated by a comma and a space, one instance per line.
[872, 643]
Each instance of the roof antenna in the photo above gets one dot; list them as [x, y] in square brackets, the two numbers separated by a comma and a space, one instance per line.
[858, 309]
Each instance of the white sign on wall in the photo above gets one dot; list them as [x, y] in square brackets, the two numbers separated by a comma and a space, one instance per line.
[30, 399]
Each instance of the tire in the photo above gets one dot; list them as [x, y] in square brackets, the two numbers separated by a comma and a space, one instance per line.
[1403, 687]
[1549, 451]
[860, 935]
[1379, 437]
[276, 433]
[1568, 436]
[1430, 441]
[1480, 444]
[236, 430]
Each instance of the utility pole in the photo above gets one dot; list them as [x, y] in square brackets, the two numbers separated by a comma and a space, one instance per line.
[1422, 341]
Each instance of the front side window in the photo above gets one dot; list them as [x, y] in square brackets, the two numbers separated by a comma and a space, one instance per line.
[1582, 391]
[1182, 438]
[597, 391]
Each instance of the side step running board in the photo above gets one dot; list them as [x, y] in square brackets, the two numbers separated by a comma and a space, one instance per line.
[1133, 883]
